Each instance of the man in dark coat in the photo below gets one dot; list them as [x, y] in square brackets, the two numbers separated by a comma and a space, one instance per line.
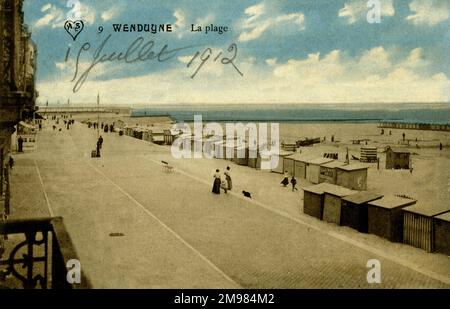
[20, 144]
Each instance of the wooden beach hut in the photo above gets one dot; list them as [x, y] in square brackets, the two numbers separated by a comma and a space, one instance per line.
[197, 144]
[385, 217]
[418, 224]
[170, 136]
[354, 210]
[442, 233]
[157, 136]
[147, 135]
[208, 144]
[369, 154]
[138, 133]
[397, 158]
[263, 156]
[313, 198]
[328, 172]
[292, 164]
[241, 155]
[219, 148]
[281, 155]
[352, 176]
[333, 201]
[313, 169]
[300, 165]
[252, 157]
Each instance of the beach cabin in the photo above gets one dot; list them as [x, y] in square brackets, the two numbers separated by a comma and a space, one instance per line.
[241, 155]
[28, 133]
[332, 203]
[369, 154]
[252, 157]
[397, 159]
[328, 172]
[352, 176]
[354, 210]
[129, 131]
[418, 224]
[170, 136]
[219, 149]
[385, 217]
[313, 169]
[313, 199]
[289, 146]
[288, 163]
[281, 155]
[293, 167]
[147, 135]
[263, 156]
[300, 164]
[138, 133]
[197, 144]
[442, 233]
[157, 136]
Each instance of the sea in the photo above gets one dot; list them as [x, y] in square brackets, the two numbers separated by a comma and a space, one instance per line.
[350, 113]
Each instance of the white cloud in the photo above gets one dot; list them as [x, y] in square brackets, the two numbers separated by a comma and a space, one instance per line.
[46, 7]
[429, 12]
[56, 17]
[331, 78]
[355, 10]
[185, 59]
[180, 22]
[110, 14]
[271, 61]
[53, 16]
[205, 20]
[260, 19]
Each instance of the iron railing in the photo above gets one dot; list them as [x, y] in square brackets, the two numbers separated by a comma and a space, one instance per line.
[36, 255]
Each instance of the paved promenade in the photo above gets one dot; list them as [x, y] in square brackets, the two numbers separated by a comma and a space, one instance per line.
[177, 234]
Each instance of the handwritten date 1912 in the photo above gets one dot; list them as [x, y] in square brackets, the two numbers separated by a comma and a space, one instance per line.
[206, 55]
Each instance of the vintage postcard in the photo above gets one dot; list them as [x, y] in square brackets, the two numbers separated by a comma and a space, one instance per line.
[221, 144]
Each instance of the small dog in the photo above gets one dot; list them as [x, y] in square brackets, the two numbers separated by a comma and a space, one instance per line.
[247, 194]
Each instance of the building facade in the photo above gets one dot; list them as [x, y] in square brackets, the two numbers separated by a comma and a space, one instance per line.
[17, 84]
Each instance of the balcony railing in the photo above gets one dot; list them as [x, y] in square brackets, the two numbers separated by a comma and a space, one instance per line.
[35, 255]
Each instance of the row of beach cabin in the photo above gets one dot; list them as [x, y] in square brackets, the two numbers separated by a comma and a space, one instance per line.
[313, 169]
[397, 219]
[156, 135]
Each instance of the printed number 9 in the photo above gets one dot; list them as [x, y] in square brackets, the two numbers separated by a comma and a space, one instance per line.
[100, 30]
[75, 12]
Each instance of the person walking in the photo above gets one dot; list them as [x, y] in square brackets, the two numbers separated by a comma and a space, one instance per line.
[20, 144]
[217, 183]
[228, 178]
[11, 163]
[294, 183]
[100, 139]
[285, 180]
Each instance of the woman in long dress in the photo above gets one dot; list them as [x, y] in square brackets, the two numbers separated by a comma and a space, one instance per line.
[285, 180]
[217, 182]
[228, 178]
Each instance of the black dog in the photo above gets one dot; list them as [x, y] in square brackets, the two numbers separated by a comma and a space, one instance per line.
[247, 194]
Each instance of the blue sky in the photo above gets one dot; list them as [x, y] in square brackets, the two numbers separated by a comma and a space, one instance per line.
[300, 51]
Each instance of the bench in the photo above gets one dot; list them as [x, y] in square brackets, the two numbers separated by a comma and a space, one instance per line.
[167, 167]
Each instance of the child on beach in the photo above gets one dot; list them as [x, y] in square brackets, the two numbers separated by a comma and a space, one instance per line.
[285, 180]
[294, 183]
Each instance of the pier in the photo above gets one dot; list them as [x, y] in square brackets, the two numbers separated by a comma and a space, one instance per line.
[414, 126]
